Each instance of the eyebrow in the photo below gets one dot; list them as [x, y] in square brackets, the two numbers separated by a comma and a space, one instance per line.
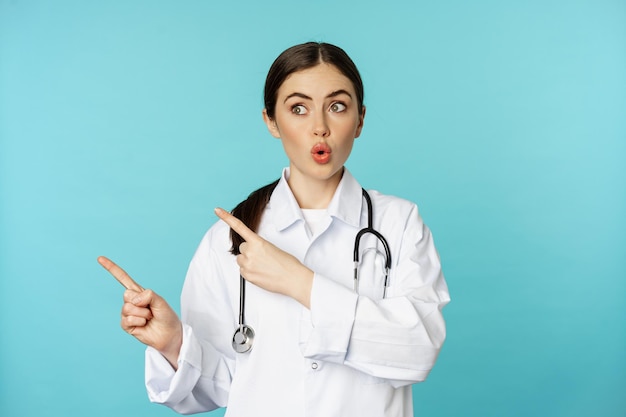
[304, 96]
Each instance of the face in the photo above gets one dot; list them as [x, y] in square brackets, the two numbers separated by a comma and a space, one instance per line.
[317, 119]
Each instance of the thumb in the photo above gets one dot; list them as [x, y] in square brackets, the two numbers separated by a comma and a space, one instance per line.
[157, 304]
[145, 298]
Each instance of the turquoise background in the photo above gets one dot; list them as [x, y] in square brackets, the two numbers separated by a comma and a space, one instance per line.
[123, 124]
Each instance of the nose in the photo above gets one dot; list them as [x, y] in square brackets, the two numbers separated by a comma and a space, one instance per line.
[320, 127]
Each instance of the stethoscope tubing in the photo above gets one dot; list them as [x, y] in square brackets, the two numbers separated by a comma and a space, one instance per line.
[243, 337]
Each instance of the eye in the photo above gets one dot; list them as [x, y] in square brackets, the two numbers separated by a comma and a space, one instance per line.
[298, 109]
[337, 107]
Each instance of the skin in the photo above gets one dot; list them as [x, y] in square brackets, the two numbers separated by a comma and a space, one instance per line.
[147, 316]
[316, 105]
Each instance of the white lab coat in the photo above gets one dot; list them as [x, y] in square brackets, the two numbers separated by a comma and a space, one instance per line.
[349, 355]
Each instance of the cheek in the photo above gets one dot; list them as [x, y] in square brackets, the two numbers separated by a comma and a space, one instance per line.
[344, 148]
[289, 129]
[348, 147]
[291, 146]
[349, 130]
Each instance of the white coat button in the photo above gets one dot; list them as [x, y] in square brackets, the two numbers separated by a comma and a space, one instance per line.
[314, 365]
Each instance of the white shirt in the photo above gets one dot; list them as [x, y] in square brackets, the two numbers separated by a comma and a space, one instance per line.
[349, 355]
[316, 220]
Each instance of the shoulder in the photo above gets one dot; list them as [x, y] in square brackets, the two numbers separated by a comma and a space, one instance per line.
[396, 216]
[400, 221]
[216, 239]
[386, 204]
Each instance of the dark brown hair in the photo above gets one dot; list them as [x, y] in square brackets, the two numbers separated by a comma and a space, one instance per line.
[305, 56]
[294, 59]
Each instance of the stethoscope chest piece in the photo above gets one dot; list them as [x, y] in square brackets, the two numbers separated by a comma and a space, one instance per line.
[243, 339]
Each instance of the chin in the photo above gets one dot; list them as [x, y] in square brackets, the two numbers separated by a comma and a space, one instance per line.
[327, 172]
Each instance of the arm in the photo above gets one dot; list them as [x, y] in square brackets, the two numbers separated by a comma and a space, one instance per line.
[176, 360]
[206, 361]
[397, 338]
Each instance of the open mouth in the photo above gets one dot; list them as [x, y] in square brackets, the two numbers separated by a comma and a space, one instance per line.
[321, 153]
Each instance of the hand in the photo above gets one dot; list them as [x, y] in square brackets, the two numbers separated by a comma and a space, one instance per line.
[147, 316]
[268, 267]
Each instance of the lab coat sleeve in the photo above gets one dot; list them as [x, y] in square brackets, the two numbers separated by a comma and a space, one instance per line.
[397, 338]
[202, 380]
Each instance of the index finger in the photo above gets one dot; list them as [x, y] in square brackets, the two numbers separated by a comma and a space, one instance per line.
[236, 224]
[119, 274]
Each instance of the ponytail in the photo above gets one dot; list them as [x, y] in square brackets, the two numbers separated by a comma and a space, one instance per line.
[250, 211]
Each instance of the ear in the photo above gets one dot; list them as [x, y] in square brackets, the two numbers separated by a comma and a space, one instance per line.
[271, 125]
[360, 125]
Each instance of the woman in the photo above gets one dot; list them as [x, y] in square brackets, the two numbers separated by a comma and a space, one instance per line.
[319, 348]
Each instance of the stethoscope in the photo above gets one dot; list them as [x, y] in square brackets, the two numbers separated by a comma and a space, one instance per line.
[243, 338]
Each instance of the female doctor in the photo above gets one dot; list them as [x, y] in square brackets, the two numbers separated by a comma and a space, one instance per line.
[316, 338]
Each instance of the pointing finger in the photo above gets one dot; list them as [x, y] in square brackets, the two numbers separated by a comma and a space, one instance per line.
[119, 274]
[236, 224]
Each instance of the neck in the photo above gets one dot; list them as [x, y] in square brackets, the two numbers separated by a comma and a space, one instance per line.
[314, 194]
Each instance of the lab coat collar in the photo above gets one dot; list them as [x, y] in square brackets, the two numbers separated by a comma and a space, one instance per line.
[345, 204]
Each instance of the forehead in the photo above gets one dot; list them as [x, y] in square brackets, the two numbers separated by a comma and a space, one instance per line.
[321, 79]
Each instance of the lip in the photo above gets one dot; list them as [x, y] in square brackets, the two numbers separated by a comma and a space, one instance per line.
[321, 153]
